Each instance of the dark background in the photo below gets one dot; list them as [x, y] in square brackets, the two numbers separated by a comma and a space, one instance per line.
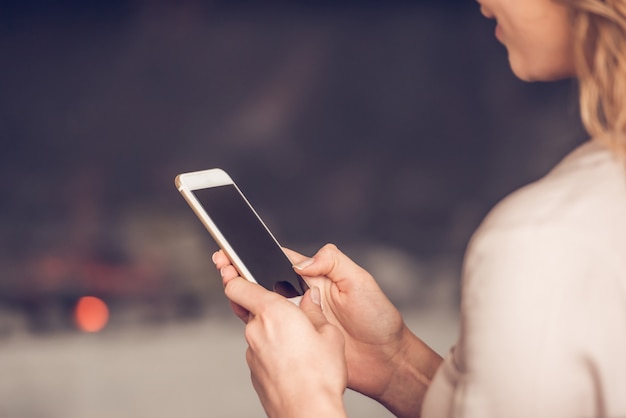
[389, 128]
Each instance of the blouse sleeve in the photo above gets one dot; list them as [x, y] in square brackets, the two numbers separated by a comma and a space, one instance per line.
[516, 356]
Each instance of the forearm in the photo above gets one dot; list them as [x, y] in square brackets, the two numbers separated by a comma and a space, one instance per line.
[310, 405]
[413, 372]
[322, 409]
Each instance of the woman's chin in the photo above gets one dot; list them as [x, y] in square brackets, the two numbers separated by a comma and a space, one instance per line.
[538, 73]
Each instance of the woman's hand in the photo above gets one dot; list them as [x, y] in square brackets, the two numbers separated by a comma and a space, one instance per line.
[295, 355]
[385, 360]
[352, 300]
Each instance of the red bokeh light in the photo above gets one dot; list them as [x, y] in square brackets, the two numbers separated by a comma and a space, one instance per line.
[91, 314]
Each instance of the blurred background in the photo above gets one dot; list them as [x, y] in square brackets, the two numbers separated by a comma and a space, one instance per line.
[389, 128]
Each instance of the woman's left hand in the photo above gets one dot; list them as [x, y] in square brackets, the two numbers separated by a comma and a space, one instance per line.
[295, 355]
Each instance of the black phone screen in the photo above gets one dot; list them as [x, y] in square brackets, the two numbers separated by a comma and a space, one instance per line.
[252, 242]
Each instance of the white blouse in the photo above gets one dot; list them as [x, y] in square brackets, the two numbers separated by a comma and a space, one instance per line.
[543, 313]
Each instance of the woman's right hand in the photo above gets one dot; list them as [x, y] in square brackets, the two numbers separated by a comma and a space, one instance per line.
[384, 357]
[385, 360]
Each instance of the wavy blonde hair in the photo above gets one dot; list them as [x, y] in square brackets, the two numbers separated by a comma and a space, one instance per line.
[599, 29]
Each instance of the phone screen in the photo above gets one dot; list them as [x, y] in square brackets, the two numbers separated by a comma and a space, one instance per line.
[252, 242]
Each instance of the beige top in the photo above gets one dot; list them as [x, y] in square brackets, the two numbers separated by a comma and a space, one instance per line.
[543, 313]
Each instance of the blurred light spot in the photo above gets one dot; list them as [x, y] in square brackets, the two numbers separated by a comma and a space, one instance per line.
[91, 314]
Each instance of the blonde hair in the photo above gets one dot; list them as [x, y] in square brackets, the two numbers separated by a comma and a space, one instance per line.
[599, 30]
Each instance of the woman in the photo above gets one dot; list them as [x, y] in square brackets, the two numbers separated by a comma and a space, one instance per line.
[543, 330]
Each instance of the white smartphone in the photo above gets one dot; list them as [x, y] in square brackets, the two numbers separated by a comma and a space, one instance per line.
[239, 231]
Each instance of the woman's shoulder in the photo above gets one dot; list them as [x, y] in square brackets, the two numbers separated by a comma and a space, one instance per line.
[573, 218]
[585, 190]
[569, 227]
[543, 270]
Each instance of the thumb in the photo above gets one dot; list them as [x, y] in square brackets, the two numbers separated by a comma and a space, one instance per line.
[331, 263]
[311, 305]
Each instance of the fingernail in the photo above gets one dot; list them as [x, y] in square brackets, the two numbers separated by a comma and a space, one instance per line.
[222, 271]
[213, 257]
[316, 297]
[304, 264]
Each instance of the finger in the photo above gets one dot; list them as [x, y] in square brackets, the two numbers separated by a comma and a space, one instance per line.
[332, 263]
[297, 258]
[312, 307]
[294, 256]
[241, 312]
[228, 273]
[248, 295]
[219, 259]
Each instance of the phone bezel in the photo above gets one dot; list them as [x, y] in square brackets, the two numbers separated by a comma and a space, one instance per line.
[187, 183]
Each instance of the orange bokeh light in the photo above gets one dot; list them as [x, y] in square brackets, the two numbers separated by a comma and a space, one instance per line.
[91, 314]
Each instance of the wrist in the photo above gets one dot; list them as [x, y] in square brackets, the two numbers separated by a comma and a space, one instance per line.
[315, 405]
[413, 371]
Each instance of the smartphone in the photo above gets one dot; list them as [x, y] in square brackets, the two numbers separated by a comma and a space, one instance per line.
[239, 231]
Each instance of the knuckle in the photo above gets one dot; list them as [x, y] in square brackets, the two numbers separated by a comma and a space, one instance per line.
[332, 254]
[248, 333]
[330, 248]
[329, 252]
[249, 356]
[230, 287]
